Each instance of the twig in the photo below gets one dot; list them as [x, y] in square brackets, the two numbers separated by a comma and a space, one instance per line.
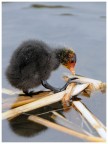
[10, 92]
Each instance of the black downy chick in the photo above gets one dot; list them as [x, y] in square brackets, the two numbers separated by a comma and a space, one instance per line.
[32, 63]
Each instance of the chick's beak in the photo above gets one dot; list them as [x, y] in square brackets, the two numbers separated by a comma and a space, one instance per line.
[72, 68]
[72, 64]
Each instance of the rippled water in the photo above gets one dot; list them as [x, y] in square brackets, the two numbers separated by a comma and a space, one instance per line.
[80, 25]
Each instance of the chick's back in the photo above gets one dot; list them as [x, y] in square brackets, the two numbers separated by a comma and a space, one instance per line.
[30, 63]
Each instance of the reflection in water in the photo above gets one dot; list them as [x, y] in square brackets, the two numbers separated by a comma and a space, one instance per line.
[23, 127]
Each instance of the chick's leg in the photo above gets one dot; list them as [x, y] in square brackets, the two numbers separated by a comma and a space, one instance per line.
[48, 86]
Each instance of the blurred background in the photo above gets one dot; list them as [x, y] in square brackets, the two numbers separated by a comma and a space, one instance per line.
[79, 25]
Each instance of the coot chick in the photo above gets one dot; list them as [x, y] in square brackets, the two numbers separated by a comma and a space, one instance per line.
[32, 63]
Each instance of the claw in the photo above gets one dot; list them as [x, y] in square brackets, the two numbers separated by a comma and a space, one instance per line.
[31, 93]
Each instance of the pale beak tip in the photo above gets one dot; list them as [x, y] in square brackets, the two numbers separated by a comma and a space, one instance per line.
[73, 72]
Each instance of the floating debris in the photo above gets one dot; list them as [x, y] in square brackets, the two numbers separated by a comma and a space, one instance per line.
[67, 14]
[48, 6]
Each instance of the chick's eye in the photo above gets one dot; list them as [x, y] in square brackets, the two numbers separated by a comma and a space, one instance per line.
[73, 60]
